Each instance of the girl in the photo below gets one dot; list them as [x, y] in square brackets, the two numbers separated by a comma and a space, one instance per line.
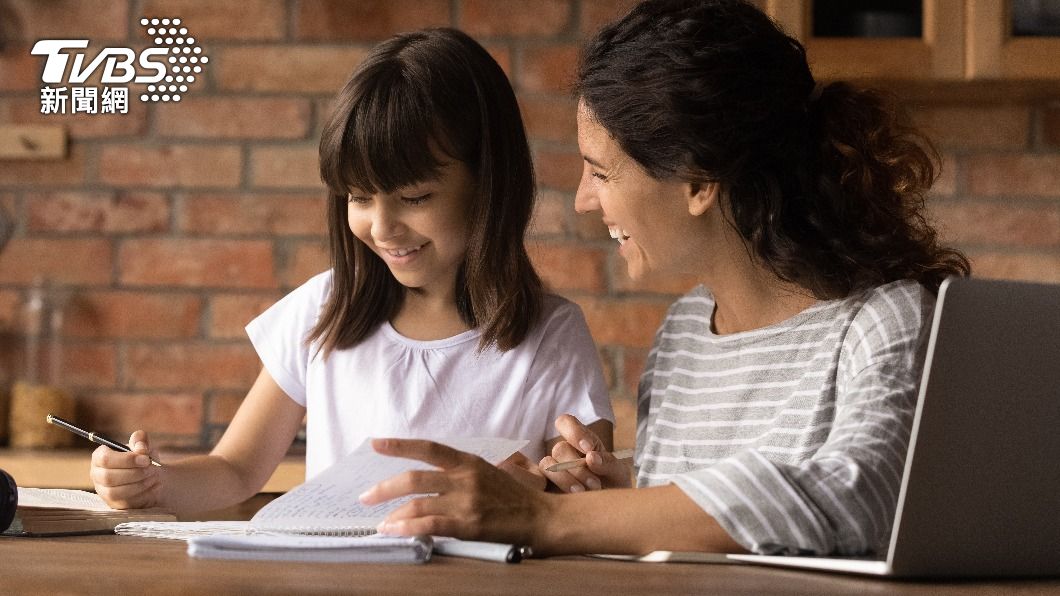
[431, 322]
[775, 409]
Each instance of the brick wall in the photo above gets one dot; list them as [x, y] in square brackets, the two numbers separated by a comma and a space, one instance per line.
[172, 226]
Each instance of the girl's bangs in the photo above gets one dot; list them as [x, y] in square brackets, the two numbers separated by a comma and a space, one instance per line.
[386, 142]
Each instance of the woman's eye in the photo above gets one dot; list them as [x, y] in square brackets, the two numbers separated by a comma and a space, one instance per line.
[599, 176]
[416, 200]
[357, 199]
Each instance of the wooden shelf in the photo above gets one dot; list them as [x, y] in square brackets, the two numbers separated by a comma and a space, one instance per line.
[68, 468]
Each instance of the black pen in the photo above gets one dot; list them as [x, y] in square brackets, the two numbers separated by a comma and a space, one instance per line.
[92, 436]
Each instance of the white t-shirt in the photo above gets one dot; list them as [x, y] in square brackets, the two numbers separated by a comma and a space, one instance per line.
[392, 386]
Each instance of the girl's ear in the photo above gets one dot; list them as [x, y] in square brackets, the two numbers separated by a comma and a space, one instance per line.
[702, 196]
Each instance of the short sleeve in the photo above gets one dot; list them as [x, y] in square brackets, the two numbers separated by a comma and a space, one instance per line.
[566, 371]
[279, 335]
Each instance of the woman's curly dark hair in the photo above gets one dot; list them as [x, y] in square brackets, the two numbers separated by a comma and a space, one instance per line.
[825, 183]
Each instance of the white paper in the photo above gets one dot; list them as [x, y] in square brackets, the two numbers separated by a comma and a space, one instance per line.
[59, 498]
[330, 500]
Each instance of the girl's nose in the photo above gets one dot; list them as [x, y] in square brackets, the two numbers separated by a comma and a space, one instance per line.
[386, 224]
[585, 199]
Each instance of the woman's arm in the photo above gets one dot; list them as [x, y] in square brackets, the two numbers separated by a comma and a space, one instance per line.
[476, 501]
[238, 466]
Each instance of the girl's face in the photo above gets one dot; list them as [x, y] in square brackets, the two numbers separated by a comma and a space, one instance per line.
[420, 231]
[651, 219]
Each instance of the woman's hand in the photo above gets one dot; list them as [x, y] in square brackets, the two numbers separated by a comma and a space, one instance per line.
[127, 480]
[470, 498]
[579, 441]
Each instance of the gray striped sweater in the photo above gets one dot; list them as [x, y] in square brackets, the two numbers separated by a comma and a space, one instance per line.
[792, 436]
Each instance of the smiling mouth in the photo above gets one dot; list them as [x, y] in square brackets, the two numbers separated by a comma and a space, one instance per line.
[618, 234]
[403, 252]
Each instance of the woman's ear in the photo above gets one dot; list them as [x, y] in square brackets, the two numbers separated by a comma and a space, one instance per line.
[702, 196]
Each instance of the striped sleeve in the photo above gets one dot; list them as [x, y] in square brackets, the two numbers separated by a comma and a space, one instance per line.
[841, 499]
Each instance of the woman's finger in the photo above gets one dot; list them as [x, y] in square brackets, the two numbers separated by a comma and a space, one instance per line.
[414, 482]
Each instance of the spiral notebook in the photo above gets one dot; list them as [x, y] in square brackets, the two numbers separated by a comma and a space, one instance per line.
[327, 505]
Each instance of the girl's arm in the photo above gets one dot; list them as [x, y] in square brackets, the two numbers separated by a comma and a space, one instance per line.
[235, 470]
[476, 501]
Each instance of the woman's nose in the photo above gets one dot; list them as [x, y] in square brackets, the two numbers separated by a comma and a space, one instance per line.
[585, 199]
[386, 224]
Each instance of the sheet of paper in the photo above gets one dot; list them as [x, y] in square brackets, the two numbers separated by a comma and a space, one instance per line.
[59, 498]
[330, 499]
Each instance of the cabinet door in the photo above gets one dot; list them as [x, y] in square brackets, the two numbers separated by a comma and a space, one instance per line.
[937, 54]
[994, 52]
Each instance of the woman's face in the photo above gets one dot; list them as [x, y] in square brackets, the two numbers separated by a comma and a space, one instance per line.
[419, 231]
[650, 219]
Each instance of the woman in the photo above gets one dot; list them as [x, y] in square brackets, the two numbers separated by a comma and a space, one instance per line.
[775, 408]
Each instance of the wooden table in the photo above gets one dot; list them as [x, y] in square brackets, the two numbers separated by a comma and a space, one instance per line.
[112, 565]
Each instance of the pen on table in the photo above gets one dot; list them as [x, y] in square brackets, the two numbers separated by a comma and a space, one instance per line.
[92, 436]
[486, 551]
[621, 455]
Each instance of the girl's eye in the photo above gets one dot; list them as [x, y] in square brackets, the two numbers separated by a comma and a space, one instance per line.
[357, 199]
[416, 200]
[599, 176]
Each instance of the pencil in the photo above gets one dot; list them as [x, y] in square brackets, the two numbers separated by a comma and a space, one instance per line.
[620, 455]
[92, 436]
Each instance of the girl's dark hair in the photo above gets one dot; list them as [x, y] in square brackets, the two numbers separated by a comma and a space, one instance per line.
[825, 184]
[414, 96]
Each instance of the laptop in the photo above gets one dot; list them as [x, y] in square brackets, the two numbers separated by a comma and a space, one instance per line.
[980, 493]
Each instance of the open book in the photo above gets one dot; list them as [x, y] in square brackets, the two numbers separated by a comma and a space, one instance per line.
[51, 512]
[328, 504]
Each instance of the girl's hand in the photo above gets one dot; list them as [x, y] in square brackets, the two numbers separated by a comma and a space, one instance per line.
[579, 441]
[127, 480]
[519, 467]
[470, 498]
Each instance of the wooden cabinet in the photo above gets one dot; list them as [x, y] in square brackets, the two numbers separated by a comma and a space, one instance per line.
[959, 40]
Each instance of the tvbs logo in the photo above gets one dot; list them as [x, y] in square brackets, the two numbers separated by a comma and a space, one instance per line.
[168, 68]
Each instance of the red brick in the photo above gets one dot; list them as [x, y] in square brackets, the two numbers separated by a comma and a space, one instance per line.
[1051, 126]
[96, 20]
[998, 224]
[33, 173]
[75, 211]
[89, 365]
[26, 110]
[597, 13]
[551, 214]
[558, 169]
[189, 166]
[1020, 266]
[625, 435]
[20, 70]
[515, 18]
[550, 119]
[287, 69]
[133, 315]
[366, 19]
[61, 260]
[627, 323]
[1021, 175]
[209, 19]
[10, 310]
[569, 267]
[286, 167]
[235, 118]
[946, 183]
[250, 213]
[120, 413]
[608, 362]
[305, 260]
[633, 361]
[549, 68]
[197, 263]
[975, 126]
[189, 366]
[230, 313]
[223, 406]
